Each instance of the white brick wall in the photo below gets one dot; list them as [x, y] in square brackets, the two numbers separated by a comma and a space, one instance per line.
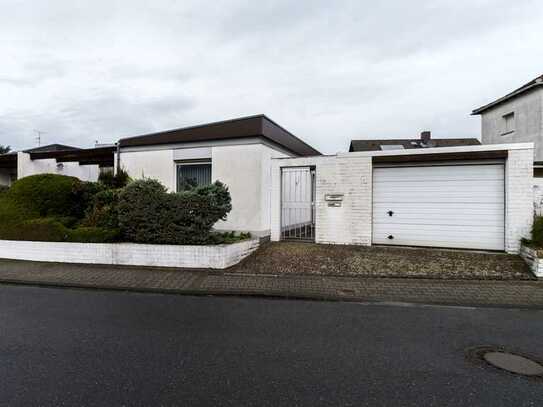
[519, 207]
[342, 174]
[351, 174]
[531, 257]
[216, 257]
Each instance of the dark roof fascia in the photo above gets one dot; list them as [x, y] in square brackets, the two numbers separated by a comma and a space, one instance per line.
[251, 126]
[421, 158]
[51, 148]
[101, 156]
[505, 98]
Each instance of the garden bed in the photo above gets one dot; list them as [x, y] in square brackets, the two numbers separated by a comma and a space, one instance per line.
[133, 254]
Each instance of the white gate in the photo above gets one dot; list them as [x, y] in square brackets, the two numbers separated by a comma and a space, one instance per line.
[298, 203]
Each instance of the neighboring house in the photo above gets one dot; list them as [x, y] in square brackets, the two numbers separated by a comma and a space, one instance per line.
[518, 118]
[425, 141]
[85, 164]
[515, 118]
[236, 152]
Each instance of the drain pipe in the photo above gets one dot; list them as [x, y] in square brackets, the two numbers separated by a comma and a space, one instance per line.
[118, 144]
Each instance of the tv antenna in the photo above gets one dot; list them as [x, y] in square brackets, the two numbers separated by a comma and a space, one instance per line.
[38, 136]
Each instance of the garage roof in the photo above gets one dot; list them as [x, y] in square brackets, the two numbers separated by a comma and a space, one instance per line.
[409, 144]
[252, 126]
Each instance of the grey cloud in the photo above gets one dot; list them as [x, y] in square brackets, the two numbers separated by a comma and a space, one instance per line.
[327, 71]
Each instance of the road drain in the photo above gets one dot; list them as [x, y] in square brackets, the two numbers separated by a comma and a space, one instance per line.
[511, 362]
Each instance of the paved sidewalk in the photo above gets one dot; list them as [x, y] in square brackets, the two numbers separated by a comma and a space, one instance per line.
[208, 282]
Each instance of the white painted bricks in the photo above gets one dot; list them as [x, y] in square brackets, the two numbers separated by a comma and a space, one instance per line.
[534, 262]
[519, 205]
[349, 175]
[215, 257]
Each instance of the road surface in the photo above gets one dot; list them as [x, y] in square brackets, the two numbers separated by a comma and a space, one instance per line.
[64, 347]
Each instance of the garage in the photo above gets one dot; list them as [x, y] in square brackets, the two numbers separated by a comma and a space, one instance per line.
[440, 205]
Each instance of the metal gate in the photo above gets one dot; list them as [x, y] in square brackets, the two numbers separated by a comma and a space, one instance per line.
[298, 203]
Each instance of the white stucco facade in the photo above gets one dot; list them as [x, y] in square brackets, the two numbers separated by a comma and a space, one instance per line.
[27, 167]
[245, 167]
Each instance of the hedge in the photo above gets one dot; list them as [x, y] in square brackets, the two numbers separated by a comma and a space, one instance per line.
[51, 230]
[52, 194]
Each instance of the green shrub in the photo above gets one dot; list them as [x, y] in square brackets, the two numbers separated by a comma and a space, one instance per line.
[537, 232]
[149, 214]
[51, 195]
[104, 212]
[93, 235]
[3, 189]
[42, 229]
[114, 181]
[51, 230]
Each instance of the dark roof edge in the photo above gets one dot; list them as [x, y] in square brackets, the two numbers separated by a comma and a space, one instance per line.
[294, 146]
[197, 126]
[517, 92]
[288, 132]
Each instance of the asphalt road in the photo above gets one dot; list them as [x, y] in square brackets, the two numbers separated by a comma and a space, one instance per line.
[61, 347]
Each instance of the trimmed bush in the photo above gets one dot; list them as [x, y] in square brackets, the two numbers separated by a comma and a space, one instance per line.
[51, 230]
[149, 214]
[3, 189]
[52, 194]
[42, 229]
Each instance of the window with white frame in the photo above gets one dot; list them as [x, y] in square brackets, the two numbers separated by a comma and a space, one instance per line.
[193, 173]
[508, 123]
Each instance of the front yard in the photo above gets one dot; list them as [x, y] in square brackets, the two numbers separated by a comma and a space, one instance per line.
[284, 258]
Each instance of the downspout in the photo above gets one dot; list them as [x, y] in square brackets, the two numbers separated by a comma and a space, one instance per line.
[118, 144]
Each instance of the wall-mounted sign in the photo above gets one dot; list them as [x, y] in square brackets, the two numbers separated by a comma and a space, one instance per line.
[333, 197]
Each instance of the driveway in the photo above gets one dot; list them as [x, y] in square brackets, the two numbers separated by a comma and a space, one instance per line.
[293, 258]
[62, 347]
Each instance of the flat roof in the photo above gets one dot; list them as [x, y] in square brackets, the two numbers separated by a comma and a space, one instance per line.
[251, 126]
[444, 150]
[409, 144]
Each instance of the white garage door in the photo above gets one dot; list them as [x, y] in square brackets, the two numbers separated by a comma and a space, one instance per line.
[457, 206]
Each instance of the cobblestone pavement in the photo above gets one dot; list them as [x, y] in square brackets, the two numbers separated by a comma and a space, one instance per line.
[208, 282]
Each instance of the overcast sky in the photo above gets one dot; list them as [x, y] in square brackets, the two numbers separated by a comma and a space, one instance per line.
[328, 71]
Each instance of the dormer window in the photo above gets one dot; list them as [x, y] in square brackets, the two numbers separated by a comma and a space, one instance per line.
[508, 123]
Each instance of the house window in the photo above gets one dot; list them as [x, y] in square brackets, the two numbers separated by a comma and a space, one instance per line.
[193, 174]
[508, 123]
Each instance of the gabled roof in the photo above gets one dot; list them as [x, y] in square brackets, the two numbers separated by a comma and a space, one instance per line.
[51, 147]
[534, 83]
[407, 144]
[252, 126]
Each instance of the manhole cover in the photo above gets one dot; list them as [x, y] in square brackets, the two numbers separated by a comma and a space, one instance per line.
[514, 363]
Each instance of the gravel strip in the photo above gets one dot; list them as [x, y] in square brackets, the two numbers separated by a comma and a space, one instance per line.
[281, 258]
